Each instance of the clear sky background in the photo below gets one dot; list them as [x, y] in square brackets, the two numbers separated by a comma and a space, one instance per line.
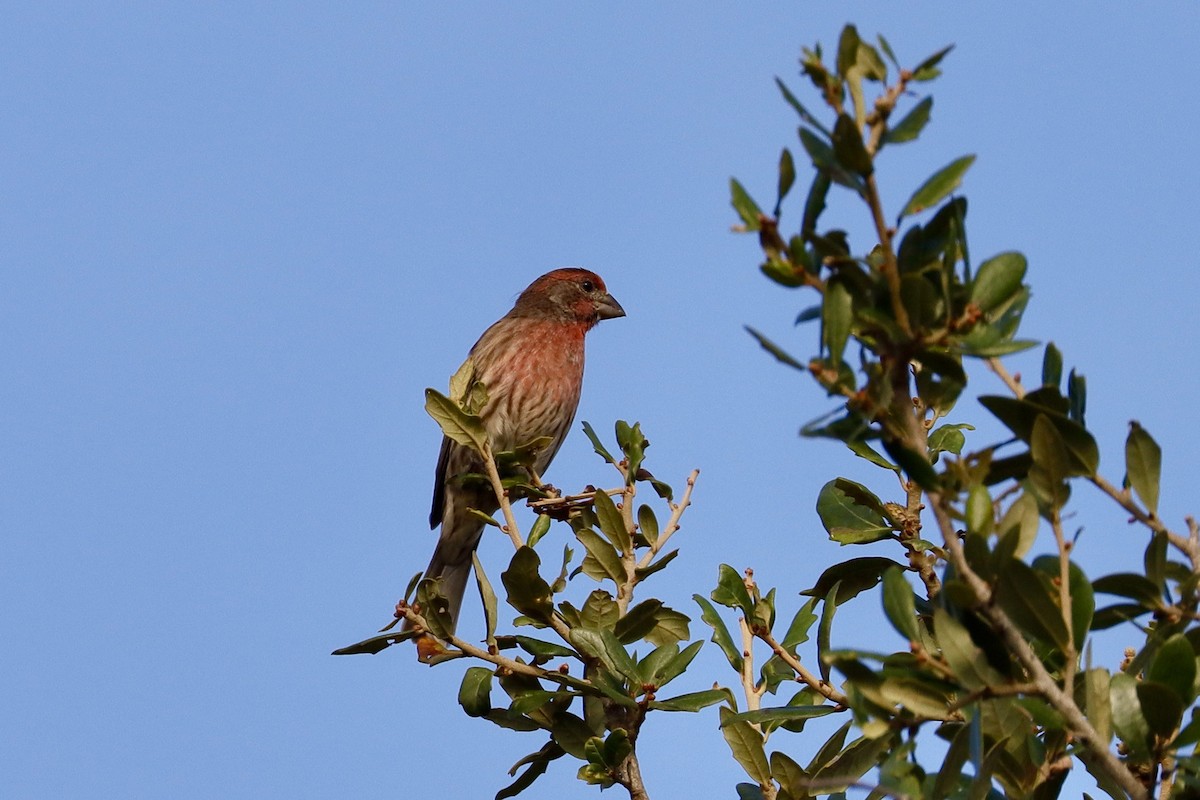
[239, 240]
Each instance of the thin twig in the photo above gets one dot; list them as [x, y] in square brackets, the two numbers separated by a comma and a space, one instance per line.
[571, 499]
[493, 473]
[628, 554]
[752, 692]
[890, 268]
[1188, 545]
[1070, 656]
[816, 684]
[418, 621]
[677, 510]
[988, 692]
[1041, 679]
[1013, 384]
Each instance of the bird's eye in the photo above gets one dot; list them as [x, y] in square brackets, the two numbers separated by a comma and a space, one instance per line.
[588, 286]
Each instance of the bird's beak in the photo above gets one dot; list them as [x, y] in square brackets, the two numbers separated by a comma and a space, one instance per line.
[608, 308]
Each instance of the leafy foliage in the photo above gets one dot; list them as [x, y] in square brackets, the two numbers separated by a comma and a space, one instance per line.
[993, 648]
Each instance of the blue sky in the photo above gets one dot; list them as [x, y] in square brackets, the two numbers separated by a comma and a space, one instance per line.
[238, 242]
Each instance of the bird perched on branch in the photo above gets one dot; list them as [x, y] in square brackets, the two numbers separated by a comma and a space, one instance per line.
[531, 365]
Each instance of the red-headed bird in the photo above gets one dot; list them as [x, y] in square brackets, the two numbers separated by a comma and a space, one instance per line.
[531, 365]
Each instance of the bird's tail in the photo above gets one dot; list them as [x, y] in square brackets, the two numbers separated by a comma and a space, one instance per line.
[453, 577]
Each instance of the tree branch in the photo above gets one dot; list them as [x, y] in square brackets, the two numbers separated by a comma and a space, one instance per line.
[1040, 678]
[816, 684]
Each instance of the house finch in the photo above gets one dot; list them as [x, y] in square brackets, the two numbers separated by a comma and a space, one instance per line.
[531, 364]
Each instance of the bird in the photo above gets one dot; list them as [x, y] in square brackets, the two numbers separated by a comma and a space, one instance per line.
[530, 363]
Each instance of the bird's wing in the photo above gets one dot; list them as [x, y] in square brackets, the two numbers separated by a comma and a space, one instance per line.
[439, 484]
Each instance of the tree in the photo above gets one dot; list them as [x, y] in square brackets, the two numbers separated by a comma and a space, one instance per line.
[993, 650]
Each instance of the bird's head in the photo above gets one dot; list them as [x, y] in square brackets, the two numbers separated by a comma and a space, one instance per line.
[570, 294]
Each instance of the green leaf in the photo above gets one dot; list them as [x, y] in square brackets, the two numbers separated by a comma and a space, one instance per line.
[412, 585]
[1161, 707]
[850, 764]
[1052, 365]
[465, 429]
[1174, 666]
[669, 626]
[745, 206]
[792, 777]
[599, 610]
[981, 516]
[825, 629]
[1020, 415]
[1132, 585]
[538, 762]
[488, 595]
[886, 47]
[475, 692]
[1077, 394]
[1143, 465]
[829, 750]
[1051, 462]
[375, 644]
[611, 523]
[918, 696]
[721, 636]
[854, 576]
[780, 714]
[572, 734]
[638, 621]
[863, 450]
[541, 526]
[1127, 718]
[848, 147]
[647, 523]
[731, 591]
[837, 316]
[797, 632]
[528, 592]
[938, 186]
[435, 608]
[998, 279]
[911, 126]
[644, 572]
[949, 439]
[776, 350]
[1115, 614]
[787, 177]
[633, 444]
[924, 71]
[543, 650]
[899, 605]
[1022, 521]
[968, 661]
[1155, 561]
[847, 55]
[674, 666]
[603, 645]
[851, 513]
[814, 203]
[915, 465]
[746, 744]
[605, 558]
[824, 160]
[1098, 705]
[501, 717]
[693, 701]
[596, 444]
[1025, 596]
[1083, 599]
[804, 113]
